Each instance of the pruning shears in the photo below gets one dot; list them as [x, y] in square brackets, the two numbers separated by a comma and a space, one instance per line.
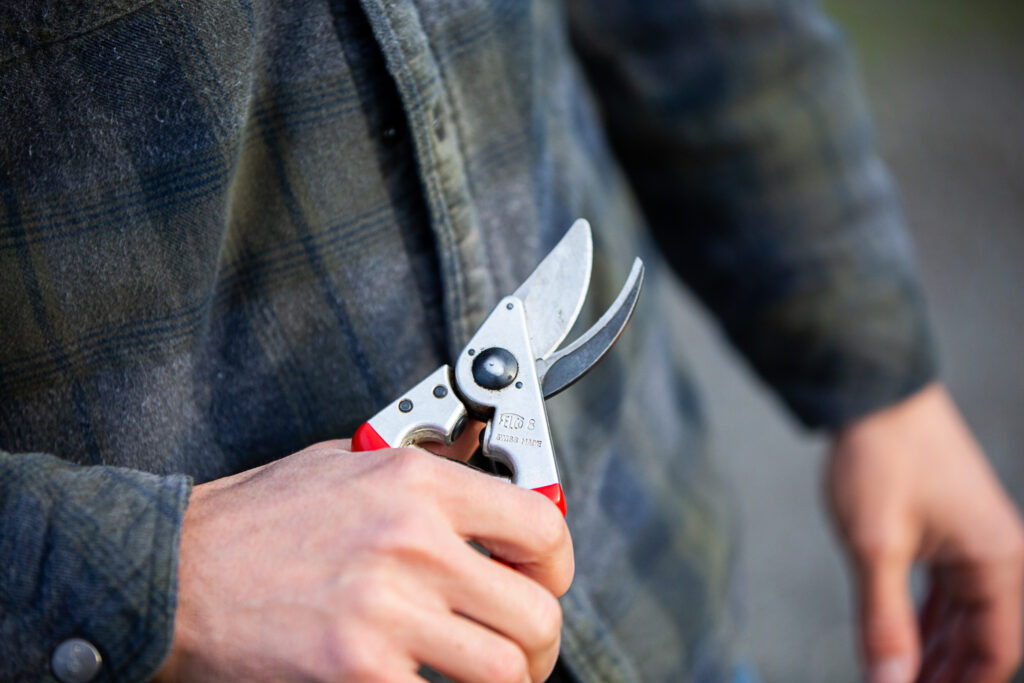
[510, 366]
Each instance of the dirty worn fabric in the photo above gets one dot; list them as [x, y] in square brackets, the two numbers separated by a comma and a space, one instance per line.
[229, 230]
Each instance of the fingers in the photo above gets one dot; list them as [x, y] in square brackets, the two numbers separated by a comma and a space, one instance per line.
[888, 627]
[911, 480]
[463, 447]
[933, 612]
[519, 526]
[504, 621]
[509, 603]
[464, 651]
[972, 623]
[399, 521]
[944, 655]
[994, 625]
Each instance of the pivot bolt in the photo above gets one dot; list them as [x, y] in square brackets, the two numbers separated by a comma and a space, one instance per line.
[495, 368]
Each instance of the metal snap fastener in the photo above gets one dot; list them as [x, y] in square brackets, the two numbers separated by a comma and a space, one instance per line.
[76, 661]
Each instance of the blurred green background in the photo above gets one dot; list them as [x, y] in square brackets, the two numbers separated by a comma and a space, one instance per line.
[910, 29]
[945, 79]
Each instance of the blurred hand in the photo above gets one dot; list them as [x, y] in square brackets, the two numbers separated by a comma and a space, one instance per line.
[910, 484]
[329, 565]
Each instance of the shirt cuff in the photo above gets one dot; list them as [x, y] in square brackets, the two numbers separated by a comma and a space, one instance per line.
[92, 554]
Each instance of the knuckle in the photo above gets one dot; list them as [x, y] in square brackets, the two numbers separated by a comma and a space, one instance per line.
[886, 633]
[349, 657]
[547, 621]
[369, 603]
[409, 537]
[1000, 542]
[507, 664]
[565, 577]
[408, 467]
[877, 546]
[550, 531]
[553, 545]
[403, 462]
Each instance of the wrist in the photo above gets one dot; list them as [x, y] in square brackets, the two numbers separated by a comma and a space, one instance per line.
[929, 403]
[182, 642]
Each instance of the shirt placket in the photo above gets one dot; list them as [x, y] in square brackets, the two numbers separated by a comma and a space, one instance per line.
[468, 286]
[468, 289]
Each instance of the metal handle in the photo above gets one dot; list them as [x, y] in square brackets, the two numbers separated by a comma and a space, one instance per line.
[430, 411]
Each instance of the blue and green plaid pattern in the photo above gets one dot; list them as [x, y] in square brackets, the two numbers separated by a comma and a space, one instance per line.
[228, 230]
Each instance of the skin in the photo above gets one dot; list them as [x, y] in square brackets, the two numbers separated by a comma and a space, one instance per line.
[909, 484]
[329, 565]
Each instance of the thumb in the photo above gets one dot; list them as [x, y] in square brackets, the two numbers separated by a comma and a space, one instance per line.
[888, 627]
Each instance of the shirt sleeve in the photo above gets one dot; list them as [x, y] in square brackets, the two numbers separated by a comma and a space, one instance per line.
[90, 553]
[743, 131]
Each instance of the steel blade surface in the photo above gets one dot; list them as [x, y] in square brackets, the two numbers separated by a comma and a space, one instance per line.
[562, 369]
[553, 294]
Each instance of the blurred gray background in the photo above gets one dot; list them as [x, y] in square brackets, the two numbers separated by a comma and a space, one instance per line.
[946, 81]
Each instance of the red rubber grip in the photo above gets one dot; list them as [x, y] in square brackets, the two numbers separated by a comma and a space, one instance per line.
[554, 494]
[366, 438]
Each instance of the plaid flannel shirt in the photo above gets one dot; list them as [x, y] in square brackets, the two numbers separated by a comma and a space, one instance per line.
[228, 230]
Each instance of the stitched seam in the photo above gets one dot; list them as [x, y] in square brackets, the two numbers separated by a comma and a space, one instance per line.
[19, 52]
[459, 312]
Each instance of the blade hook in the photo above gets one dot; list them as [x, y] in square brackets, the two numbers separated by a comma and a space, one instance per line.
[561, 370]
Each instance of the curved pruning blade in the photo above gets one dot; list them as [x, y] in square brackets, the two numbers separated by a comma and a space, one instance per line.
[553, 294]
[563, 368]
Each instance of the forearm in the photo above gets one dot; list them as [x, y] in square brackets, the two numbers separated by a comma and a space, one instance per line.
[743, 130]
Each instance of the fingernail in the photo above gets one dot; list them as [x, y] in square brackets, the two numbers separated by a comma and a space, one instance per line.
[895, 670]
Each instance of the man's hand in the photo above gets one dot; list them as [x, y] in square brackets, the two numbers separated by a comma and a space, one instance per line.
[909, 483]
[329, 565]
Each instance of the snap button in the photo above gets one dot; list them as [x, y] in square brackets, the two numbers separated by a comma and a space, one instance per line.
[76, 661]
